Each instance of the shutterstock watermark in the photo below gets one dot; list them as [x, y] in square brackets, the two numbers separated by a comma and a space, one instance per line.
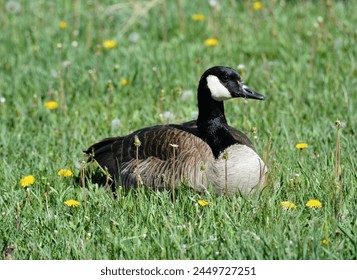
[122, 271]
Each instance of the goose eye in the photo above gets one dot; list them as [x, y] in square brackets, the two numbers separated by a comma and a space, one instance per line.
[225, 78]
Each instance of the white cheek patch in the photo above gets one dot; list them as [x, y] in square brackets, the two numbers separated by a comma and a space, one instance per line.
[243, 85]
[218, 91]
[245, 88]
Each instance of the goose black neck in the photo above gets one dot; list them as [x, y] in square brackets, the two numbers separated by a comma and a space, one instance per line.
[211, 123]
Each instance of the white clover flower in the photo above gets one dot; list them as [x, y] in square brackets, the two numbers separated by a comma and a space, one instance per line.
[13, 7]
[186, 95]
[166, 116]
[2, 100]
[241, 67]
[54, 73]
[134, 37]
[115, 124]
[78, 164]
[66, 64]
[74, 44]
[214, 4]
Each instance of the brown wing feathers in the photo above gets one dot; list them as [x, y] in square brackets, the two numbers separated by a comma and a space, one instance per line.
[155, 157]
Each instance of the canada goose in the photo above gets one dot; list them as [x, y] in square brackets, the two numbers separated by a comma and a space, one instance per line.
[197, 153]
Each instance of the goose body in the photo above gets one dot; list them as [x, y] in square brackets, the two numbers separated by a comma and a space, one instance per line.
[201, 153]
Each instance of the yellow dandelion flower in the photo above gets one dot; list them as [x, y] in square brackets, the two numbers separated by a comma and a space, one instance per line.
[324, 241]
[257, 5]
[72, 203]
[203, 202]
[62, 25]
[109, 44]
[64, 173]
[198, 17]
[124, 82]
[287, 204]
[27, 181]
[314, 203]
[51, 105]
[301, 146]
[211, 42]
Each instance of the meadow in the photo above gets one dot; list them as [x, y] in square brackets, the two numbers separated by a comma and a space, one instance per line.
[74, 72]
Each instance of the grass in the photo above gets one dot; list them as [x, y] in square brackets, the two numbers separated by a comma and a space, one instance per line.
[301, 55]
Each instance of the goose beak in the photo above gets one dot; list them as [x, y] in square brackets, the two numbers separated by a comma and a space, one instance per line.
[247, 92]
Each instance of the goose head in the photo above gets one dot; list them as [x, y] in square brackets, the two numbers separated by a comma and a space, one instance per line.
[225, 83]
[217, 84]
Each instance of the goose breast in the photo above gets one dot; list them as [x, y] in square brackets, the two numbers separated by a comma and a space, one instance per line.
[245, 170]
